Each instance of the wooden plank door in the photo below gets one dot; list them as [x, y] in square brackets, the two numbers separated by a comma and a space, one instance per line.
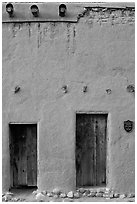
[31, 156]
[19, 155]
[90, 149]
[101, 121]
[23, 150]
[84, 151]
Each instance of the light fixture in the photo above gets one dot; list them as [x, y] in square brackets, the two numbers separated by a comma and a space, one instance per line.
[62, 10]
[34, 10]
[9, 9]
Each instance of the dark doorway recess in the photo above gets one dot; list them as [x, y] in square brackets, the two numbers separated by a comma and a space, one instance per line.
[23, 155]
[91, 149]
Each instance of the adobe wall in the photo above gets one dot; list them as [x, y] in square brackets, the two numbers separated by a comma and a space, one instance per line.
[97, 51]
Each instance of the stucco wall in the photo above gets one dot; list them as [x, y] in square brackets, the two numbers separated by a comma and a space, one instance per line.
[41, 58]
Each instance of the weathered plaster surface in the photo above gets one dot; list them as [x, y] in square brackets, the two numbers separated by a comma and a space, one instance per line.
[41, 58]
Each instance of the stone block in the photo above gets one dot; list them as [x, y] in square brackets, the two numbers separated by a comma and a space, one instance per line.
[70, 194]
[106, 195]
[50, 194]
[35, 192]
[122, 196]
[76, 195]
[55, 196]
[44, 192]
[87, 192]
[15, 199]
[84, 194]
[82, 190]
[92, 194]
[9, 193]
[116, 195]
[99, 194]
[63, 195]
[40, 197]
[111, 195]
[7, 197]
[131, 195]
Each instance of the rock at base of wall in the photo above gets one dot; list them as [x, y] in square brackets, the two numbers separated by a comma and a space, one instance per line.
[131, 195]
[100, 194]
[111, 195]
[40, 197]
[44, 192]
[63, 195]
[92, 194]
[35, 192]
[76, 195]
[82, 190]
[122, 196]
[56, 196]
[116, 195]
[70, 194]
[7, 197]
[50, 194]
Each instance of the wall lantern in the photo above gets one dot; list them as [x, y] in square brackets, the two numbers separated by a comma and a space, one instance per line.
[65, 90]
[34, 10]
[9, 9]
[62, 10]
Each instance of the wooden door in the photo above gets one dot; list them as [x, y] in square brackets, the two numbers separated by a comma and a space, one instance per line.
[91, 149]
[32, 156]
[23, 154]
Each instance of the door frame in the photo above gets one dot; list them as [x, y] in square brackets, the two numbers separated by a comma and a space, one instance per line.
[107, 139]
[37, 136]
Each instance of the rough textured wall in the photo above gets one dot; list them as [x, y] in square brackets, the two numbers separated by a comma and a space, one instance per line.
[98, 51]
